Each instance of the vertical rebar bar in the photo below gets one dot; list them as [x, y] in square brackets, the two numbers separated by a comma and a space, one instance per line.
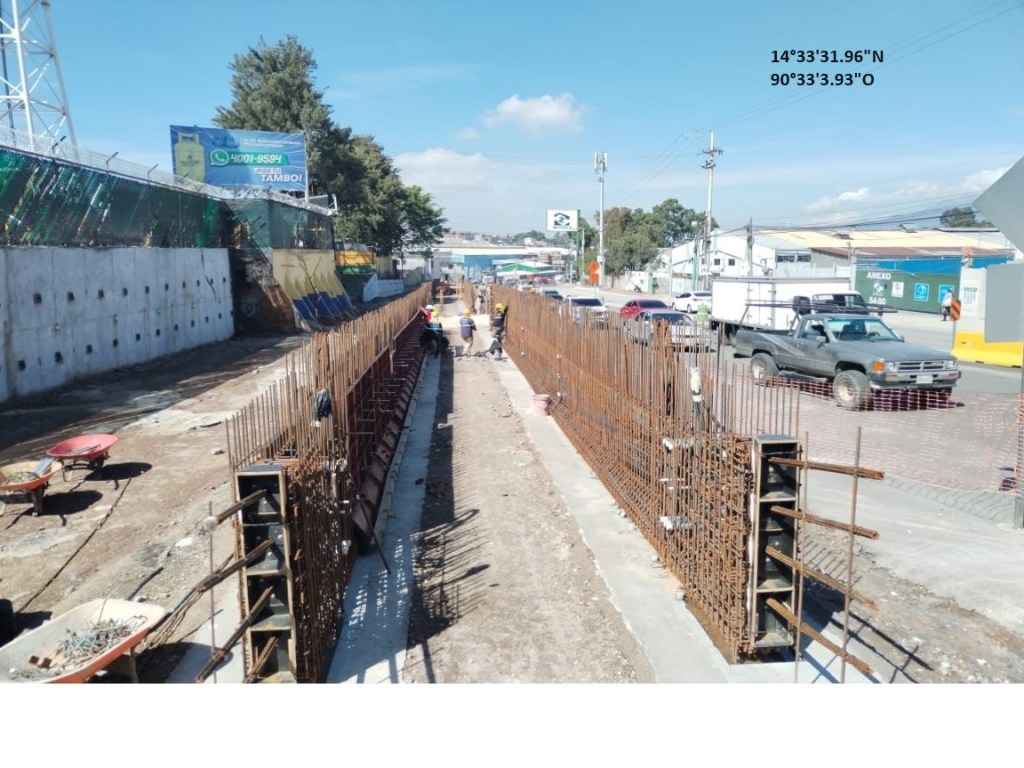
[849, 556]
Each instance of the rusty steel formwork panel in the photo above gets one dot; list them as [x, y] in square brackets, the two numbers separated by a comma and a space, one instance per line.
[669, 427]
[328, 428]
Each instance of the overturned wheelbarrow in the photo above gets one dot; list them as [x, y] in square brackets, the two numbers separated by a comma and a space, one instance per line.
[82, 452]
[26, 482]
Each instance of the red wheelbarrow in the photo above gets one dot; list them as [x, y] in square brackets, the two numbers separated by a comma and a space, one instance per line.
[82, 452]
[76, 645]
[25, 483]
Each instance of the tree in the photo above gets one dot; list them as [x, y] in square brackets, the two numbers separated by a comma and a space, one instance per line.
[675, 223]
[533, 234]
[630, 239]
[423, 222]
[373, 212]
[962, 218]
[272, 90]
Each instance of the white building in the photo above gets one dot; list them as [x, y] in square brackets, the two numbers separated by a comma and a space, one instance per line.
[809, 253]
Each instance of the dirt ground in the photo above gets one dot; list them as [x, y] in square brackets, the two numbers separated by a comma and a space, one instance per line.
[913, 636]
[505, 590]
[132, 529]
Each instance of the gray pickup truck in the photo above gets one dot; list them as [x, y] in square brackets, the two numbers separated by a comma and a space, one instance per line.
[859, 354]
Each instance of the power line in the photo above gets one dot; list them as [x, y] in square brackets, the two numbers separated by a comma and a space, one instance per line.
[926, 214]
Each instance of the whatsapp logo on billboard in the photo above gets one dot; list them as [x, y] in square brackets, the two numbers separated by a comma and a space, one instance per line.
[231, 158]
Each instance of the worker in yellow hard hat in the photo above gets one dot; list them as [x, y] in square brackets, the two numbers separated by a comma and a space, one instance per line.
[498, 330]
[467, 330]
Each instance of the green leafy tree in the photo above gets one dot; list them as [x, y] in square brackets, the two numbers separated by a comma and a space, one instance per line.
[273, 90]
[630, 238]
[674, 223]
[423, 222]
[962, 218]
[376, 212]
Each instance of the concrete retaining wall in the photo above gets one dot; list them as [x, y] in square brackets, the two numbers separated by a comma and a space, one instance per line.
[72, 312]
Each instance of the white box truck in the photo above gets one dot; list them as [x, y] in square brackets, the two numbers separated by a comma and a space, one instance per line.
[769, 303]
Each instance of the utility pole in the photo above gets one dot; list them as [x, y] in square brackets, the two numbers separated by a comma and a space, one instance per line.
[579, 250]
[709, 166]
[600, 167]
[750, 247]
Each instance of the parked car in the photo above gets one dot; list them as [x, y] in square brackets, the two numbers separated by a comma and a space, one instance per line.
[634, 306]
[685, 332]
[688, 301]
[551, 293]
[581, 308]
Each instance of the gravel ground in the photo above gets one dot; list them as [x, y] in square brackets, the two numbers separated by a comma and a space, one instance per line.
[505, 588]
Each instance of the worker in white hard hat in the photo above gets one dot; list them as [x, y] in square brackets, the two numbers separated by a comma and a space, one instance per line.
[431, 315]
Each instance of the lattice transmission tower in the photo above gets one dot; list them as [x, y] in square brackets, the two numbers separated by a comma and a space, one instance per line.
[32, 98]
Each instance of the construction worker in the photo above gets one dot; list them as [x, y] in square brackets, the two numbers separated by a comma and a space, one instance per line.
[431, 315]
[467, 329]
[497, 330]
[498, 320]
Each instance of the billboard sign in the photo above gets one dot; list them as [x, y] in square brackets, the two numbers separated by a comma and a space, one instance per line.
[227, 158]
[561, 220]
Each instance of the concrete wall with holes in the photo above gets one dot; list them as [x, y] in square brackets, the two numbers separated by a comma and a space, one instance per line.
[66, 313]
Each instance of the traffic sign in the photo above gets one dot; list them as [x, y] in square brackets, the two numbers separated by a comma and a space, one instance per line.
[954, 309]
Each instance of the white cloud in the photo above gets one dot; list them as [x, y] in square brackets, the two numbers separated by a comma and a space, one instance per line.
[832, 203]
[482, 194]
[538, 115]
[902, 197]
[982, 180]
[469, 133]
[443, 169]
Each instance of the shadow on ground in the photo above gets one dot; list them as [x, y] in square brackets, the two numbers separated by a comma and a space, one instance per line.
[104, 403]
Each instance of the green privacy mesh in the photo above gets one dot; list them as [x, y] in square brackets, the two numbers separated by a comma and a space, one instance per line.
[48, 202]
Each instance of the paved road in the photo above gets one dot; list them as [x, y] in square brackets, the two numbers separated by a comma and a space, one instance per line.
[918, 327]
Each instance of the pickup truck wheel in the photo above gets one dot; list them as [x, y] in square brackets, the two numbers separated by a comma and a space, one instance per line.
[851, 390]
[763, 368]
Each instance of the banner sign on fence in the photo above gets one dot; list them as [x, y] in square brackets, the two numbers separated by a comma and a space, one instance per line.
[227, 158]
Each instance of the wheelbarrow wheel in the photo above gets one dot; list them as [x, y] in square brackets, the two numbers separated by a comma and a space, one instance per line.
[37, 500]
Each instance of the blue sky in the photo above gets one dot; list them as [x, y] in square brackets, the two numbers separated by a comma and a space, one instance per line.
[497, 109]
